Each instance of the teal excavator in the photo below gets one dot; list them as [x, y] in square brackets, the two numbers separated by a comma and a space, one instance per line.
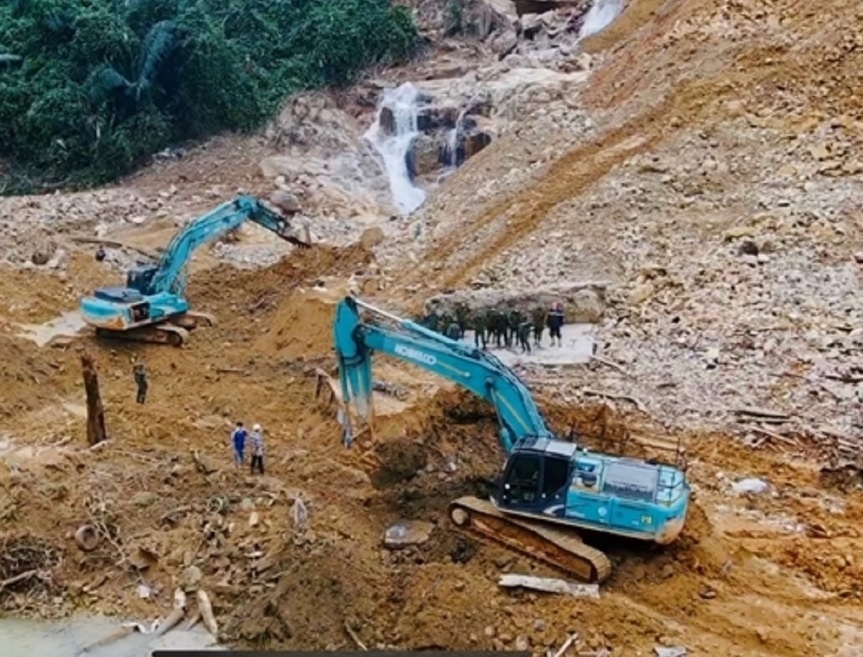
[550, 489]
[152, 306]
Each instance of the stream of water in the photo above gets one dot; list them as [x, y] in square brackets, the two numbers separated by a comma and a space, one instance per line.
[393, 148]
[600, 15]
[77, 638]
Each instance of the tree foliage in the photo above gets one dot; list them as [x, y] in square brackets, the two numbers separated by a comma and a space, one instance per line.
[90, 88]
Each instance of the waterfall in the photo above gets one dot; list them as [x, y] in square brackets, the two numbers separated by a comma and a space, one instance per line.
[600, 15]
[452, 141]
[392, 140]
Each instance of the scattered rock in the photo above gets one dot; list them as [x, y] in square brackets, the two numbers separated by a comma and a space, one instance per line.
[409, 532]
[286, 202]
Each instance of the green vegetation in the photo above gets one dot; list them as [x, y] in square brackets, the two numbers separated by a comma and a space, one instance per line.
[90, 88]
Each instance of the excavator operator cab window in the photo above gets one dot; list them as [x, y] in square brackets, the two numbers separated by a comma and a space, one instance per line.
[521, 482]
[139, 278]
[556, 476]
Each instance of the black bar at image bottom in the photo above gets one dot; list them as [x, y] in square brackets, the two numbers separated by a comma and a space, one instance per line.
[387, 653]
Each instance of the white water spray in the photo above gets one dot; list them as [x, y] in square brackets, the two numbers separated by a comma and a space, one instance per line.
[393, 148]
[452, 140]
[600, 15]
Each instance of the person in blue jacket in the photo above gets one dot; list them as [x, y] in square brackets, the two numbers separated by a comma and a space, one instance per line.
[238, 437]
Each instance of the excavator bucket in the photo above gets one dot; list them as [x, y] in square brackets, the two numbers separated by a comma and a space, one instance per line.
[355, 365]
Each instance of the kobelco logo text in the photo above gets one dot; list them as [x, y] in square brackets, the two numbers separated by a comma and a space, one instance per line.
[415, 354]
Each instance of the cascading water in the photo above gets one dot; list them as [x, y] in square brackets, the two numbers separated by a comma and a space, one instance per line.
[600, 15]
[394, 141]
[452, 141]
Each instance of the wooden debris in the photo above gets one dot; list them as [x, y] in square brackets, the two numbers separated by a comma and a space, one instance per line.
[177, 613]
[111, 638]
[207, 615]
[354, 636]
[20, 577]
[763, 413]
[550, 585]
[613, 395]
[573, 638]
[612, 365]
[95, 410]
[114, 244]
[785, 440]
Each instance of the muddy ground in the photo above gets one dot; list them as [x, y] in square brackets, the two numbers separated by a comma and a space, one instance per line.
[777, 573]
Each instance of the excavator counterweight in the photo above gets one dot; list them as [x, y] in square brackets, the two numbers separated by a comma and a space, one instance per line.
[550, 488]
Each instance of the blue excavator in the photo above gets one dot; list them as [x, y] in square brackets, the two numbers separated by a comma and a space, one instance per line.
[152, 306]
[550, 488]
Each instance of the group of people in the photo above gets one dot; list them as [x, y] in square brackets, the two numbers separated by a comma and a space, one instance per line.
[505, 328]
[238, 436]
[238, 439]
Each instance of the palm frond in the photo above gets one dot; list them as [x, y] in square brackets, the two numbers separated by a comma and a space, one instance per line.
[103, 81]
[157, 45]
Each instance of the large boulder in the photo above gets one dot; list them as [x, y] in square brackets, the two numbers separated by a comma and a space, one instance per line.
[582, 302]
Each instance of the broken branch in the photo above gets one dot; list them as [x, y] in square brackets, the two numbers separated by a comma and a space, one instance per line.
[762, 413]
[20, 577]
[566, 645]
[354, 637]
[613, 395]
[612, 365]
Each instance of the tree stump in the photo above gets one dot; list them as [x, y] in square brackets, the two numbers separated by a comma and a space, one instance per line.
[95, 411]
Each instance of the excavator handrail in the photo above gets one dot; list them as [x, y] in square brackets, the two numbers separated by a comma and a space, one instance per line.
[476, 370]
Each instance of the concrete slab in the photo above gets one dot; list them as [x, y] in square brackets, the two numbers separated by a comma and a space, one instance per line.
[577, 348]
[69, 638]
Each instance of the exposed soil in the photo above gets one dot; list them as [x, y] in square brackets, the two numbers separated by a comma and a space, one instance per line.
[743, 580]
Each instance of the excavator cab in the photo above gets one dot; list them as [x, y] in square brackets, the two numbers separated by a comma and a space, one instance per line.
[140, 278]
[536, 477]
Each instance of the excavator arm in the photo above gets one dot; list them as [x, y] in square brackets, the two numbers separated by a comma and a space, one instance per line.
[216, 223]
[475, 370]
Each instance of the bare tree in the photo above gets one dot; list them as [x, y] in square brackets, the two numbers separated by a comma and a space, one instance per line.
[95, 411]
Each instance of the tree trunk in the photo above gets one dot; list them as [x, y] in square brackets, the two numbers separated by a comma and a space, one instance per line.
[95, 411]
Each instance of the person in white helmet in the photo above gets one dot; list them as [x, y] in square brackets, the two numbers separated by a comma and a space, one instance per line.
[257, 449]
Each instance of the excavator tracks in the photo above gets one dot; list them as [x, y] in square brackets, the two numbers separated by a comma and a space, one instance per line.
[175, 331]
[160, 334]
[559, 548]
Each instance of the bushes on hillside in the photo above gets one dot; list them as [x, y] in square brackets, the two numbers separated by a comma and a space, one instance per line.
[90, 88]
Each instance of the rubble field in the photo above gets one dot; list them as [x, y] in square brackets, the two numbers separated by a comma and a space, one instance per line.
[770, 572]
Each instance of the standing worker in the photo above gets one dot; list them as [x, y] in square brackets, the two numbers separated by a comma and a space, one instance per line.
[257, 449]
[524, 331]
[479, 328]
[141, 382]
[462, 314]
[555, 322]
[538, 324]
[238, 437]
[453, 331]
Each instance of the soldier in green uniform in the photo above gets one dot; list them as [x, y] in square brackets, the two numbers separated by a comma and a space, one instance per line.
[479, 328]
[453, 331]
[462, 314]
[494, 326]
[538, 323]
[443, 325]
[524, 330]
[513, 322]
